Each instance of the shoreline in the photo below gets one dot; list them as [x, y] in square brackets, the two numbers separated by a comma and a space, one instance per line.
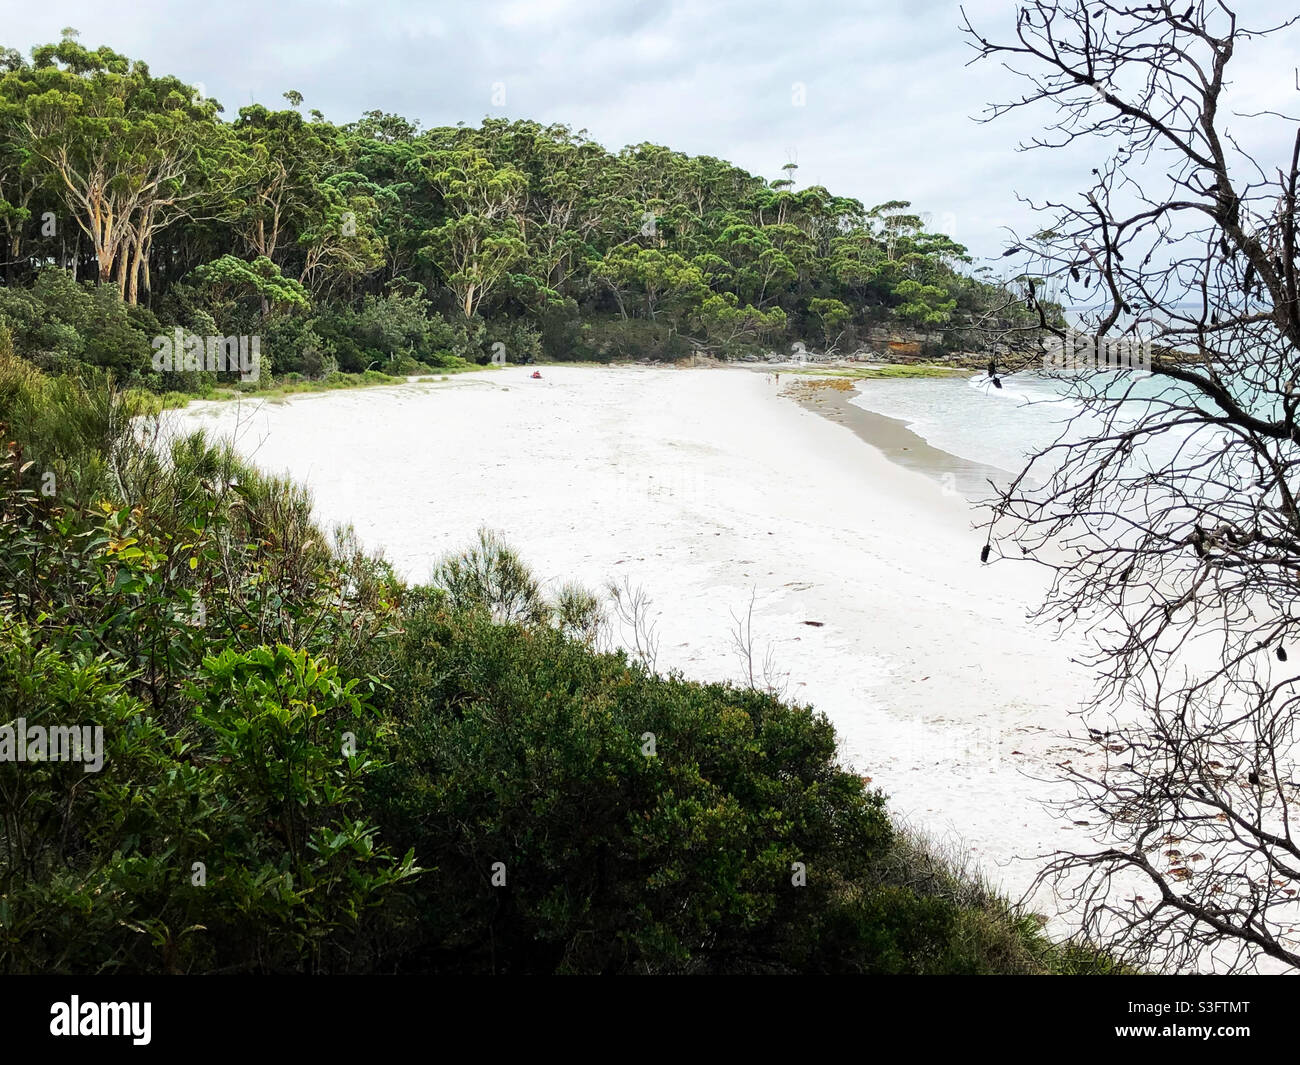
[707, 490]
[159, 402]
[894, 439]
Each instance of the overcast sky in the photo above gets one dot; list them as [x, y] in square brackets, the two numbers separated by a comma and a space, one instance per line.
[887, 96]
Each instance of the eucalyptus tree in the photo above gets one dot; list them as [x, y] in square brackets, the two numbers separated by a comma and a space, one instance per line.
[758, 258]
[387, 150]
[561, 210]
[118, 145]
[480, 238]
[230, 280]
[21, 177]
[279, 159]
[853, 262]
[661, 280]
[340, 239]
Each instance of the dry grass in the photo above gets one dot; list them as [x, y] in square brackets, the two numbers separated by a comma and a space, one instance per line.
[810, 389]
[840, 384]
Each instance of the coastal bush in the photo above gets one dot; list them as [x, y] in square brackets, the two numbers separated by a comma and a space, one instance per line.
[395, 333]
[578, 613]
[582, 815]
[204, 537]
[522, 342]
[61, 325]
[162, 622]
[491, 575]
[560, 325]
[348, 758]
[235, 843]
[579, 813]
[633, 338]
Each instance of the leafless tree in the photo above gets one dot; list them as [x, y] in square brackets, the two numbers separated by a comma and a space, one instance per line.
[636, 626]
[1166, 510]
[759, 675]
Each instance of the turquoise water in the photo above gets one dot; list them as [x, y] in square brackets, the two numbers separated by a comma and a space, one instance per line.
[1002, 427]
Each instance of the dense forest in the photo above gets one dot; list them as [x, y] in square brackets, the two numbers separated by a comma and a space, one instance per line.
[130, 207]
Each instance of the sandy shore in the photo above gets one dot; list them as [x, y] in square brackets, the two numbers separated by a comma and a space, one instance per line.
[707, 487]
[892, 438]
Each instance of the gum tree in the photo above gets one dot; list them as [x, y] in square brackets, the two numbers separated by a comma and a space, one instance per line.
[481, 238]
[117, 144]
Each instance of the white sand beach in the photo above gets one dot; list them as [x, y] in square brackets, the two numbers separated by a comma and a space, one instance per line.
[702, 486]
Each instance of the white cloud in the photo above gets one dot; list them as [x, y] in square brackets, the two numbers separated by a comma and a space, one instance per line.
[889, 101]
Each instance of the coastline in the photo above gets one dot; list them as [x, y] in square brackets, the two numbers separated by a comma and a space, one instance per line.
[281, 390]
[895, 440]
[707, 490]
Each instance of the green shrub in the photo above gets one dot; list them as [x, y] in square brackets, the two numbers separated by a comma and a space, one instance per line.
[60, 324]
[235, 843]
[578, 613]
[517, 745]
[633, 338]
[490, 575]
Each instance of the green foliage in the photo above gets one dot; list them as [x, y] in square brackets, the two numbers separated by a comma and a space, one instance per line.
[521, 746]
[480, 238]
[232, 843]
[378, 245]
[183, 624]
[632, 338]
[60, 324]
[831, 315]
[578, 613]
[229, 279]
[522, 341]
[491, 576]
[309, 766]
[394, 333]
[925, 305]
[733, 327]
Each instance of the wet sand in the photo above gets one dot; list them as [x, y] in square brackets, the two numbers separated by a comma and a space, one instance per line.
[892, 438]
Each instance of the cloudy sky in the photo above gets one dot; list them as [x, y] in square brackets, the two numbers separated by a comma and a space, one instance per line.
[886, 108]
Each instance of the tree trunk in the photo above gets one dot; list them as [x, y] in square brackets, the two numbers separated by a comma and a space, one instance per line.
[123, 262]
[133, 273]
[144, 266]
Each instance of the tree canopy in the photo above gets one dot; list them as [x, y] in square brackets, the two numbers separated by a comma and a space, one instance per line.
[511, 231]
